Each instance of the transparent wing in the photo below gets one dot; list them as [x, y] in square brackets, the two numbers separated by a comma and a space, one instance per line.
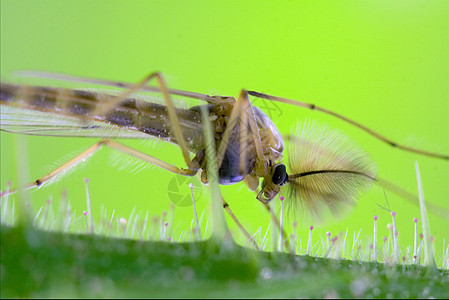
[123, 85]
[23, 121]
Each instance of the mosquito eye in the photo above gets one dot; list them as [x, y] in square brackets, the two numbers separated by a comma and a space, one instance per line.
[279, 175]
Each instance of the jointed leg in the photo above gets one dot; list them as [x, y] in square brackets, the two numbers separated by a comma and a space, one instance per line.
[239, 225]
[243, 115]
[174, 120]
[243, 140]
[223, 145]
[341, 117]
[150, 159]
[91, 150]
[71, 163]
[248, 116]
[133, 152]
[105, 107]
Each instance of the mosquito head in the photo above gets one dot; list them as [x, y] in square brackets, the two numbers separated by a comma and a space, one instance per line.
[271, 184]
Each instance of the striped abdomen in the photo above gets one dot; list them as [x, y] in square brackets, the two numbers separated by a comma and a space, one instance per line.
[130, 114]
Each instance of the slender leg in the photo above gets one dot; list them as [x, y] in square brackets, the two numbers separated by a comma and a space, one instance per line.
[243, 112]
[243, 115]
[247, 111]
[411, 198]
[173, 117]
[149, 159]
[137, 154]
[356, 124]
[71, 163]
[239, 225]
[105, 107]
[223, 145]
[91, 150]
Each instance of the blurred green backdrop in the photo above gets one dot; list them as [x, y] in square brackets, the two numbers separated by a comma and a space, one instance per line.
[383, 63]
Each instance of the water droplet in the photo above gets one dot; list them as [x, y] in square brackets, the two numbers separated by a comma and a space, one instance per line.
[265, 273]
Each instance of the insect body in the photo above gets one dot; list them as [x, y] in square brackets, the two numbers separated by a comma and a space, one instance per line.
[138, 116]
[324, 168]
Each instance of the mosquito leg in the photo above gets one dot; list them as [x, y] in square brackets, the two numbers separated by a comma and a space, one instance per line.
[223, 145]
[174, 120]
[239, 225]
[242, 114]
[173, 117]
[212, 157]
[37, 183]
[243, 140]
[91, 150]
[248, 116]
[105, 107]
[356, 124]
[411, 198]
[150, 159]
[249, 113]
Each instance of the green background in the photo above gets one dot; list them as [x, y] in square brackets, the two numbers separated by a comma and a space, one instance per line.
[383, 63]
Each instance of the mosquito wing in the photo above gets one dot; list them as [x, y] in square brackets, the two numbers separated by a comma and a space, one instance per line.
[29, 122]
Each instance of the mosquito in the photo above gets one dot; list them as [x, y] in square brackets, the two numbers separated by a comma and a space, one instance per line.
[325, 169]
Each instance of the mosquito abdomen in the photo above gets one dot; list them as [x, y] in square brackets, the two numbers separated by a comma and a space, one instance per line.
[132, 114]
[51, 100]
